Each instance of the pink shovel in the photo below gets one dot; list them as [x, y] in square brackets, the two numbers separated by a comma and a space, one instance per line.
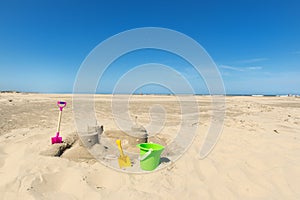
[57, 139]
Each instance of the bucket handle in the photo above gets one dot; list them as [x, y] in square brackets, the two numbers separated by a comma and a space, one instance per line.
[146, 155]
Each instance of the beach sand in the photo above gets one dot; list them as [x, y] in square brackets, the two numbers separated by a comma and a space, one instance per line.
[256, 157]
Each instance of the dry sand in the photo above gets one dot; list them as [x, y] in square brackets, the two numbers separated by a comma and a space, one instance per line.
[257, 156]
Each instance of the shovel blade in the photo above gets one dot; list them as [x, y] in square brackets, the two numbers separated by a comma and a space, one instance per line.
[124, 161]
[56, 140]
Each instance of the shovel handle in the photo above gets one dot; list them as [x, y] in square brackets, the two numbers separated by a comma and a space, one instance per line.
[61, 105]
[120, 147]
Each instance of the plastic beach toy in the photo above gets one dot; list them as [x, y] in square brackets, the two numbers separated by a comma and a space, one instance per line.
[124, 161]
[57, 139]
[150, 155]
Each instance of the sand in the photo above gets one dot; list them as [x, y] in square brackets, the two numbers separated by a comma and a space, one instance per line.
[256, 157]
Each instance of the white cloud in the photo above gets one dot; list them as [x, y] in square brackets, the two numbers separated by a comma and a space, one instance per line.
[240, 69]
[231, 68]
[254, 68]
[253, 60]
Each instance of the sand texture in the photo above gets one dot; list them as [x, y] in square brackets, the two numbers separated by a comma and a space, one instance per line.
[256, 157]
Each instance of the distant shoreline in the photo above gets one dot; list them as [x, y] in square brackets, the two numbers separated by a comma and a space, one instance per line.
[156, 94]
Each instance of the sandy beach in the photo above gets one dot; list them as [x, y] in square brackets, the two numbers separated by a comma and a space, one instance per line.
[256, 157]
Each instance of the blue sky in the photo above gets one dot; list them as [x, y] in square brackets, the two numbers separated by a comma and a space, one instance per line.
[255, 43]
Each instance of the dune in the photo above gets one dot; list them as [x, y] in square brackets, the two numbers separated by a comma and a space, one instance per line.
[256, 157]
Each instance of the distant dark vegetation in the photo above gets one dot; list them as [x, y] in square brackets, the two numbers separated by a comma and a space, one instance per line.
[10, 91]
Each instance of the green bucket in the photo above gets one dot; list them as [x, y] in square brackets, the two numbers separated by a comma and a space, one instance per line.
[150, 155]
